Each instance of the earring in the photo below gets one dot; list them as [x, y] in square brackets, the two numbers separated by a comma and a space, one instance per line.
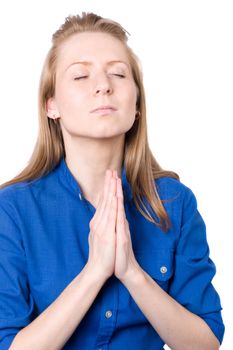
[138, 114]
[55, 118]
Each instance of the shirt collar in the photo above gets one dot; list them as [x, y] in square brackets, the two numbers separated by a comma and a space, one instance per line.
[69, 180]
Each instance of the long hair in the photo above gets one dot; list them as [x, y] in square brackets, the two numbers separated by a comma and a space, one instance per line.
[141, 167]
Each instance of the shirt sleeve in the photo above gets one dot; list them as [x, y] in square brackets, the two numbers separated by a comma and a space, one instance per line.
[191, 284]
[16, 303]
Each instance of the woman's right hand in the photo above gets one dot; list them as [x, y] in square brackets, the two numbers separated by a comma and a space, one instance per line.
[102, 237]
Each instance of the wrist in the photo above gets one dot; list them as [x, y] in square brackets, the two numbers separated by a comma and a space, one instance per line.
[134, 275]
[94, 273]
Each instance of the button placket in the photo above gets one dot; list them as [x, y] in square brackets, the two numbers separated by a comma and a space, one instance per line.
[109, 304]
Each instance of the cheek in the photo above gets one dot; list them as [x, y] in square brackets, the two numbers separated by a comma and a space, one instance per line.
[69, 100]
[131, 99]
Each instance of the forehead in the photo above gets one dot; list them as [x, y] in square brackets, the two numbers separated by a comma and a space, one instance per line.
[91, 46]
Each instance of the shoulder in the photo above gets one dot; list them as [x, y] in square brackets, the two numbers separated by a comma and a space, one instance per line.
[10, 192]
[177, 197]
[21, 191]
[20, 201]
[168, 186]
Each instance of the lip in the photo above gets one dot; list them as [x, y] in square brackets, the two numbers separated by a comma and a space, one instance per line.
[106, 108]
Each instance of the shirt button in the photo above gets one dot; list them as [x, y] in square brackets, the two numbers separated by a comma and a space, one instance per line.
[163, 269]
[108, 314]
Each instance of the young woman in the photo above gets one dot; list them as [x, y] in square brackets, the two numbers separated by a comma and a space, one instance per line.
[100, 247]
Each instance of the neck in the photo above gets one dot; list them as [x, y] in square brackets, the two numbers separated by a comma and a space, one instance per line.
[88, 161]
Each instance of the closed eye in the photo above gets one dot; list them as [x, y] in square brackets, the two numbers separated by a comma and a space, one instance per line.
[120, 75]
[77, 78]
[85, 76]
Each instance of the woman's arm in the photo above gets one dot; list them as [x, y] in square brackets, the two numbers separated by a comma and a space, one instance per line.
[179, 328]
[55, 325]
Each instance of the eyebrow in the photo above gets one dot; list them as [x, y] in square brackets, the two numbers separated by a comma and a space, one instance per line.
[87, 63]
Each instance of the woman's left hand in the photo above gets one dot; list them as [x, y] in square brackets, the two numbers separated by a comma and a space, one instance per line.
[125, 262]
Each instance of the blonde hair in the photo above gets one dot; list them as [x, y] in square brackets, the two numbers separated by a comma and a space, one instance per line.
[141, 167]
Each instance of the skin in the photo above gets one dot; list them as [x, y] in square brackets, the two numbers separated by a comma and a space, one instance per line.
[94, 142]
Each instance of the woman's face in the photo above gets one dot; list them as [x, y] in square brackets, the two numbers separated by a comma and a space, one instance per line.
[93, 70]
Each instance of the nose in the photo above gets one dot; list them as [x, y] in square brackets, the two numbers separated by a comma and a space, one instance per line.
[104, 91]
[103, 87]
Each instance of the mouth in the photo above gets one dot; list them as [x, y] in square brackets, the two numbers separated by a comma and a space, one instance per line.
[104, 109]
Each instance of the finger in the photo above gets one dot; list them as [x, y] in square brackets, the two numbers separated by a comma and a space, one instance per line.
[111, 190]
[120, 195]
[110, 199]
[111, 217]
[104, 193]
[105, 207]
[103, 196]
[115, 174]
[119, 189]
[120, 205]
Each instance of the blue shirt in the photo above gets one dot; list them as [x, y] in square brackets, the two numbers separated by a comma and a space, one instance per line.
[44, 228]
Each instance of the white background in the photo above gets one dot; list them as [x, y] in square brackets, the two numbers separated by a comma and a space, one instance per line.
[186, 50]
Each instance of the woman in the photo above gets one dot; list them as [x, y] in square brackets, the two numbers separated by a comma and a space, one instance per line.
[100, 247]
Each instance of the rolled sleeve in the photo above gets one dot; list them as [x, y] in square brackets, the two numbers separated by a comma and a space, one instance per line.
[194, 270]
[16, 303]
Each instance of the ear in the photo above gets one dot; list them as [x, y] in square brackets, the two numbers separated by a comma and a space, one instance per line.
[52, 110]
